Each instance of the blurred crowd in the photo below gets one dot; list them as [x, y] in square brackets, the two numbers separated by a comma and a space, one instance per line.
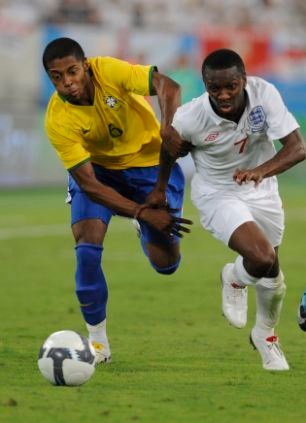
[171, 14]
[173, 34]
[167, 33]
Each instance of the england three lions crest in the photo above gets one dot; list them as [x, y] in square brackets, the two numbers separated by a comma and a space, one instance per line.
[257, 119]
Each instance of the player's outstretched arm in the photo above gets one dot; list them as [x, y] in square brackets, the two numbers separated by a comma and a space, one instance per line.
[160, 219]
[292, 152]
[169, 98]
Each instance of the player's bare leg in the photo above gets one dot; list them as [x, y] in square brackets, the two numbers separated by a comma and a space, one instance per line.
[260, 267]
[164, 256]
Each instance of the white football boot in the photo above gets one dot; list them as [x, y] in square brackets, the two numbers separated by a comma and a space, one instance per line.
[98, 339]
[234, 298]
[103, 352]
[272, 356]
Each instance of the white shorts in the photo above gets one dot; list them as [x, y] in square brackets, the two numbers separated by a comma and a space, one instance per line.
[222, 212]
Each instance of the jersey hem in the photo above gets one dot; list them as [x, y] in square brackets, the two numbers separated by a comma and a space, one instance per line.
[78, 164]
[151, 88]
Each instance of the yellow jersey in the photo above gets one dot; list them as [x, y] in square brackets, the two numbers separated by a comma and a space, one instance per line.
[120, 129]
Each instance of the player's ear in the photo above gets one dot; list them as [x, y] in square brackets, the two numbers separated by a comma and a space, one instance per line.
[86, 65]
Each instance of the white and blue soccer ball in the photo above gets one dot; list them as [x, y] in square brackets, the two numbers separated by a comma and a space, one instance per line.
[301, 314]
[67, 358]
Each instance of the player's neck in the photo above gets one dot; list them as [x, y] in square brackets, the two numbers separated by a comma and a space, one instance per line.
[236, 117]
[89, 93]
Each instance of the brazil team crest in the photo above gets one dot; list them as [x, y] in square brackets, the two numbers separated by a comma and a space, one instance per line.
[111, 102]
[257, 119]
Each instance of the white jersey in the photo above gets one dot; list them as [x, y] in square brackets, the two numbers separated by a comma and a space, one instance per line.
[222, 146]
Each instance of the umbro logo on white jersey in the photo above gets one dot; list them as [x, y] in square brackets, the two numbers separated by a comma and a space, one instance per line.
[211, 137]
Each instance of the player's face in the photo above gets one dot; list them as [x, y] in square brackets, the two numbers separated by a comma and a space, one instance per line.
[226, 91]
[70, 78]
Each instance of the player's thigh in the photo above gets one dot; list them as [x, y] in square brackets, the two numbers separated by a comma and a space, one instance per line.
[221, 214]
[143, 180]
[162, 250]
[175, 198]
[89, 220]
[268, 213]
[251, 242]
[163, 254]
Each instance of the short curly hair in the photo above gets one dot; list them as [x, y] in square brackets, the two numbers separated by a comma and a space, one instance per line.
[62, 47]
[223, 59]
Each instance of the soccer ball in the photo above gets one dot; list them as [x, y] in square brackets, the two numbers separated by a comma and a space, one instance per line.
[66, 358]
[302, 313]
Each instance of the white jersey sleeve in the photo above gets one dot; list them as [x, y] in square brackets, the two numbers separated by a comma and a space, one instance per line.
[186, 118]
[280, 121]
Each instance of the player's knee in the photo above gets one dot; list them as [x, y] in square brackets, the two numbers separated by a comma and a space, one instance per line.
[166, 270]
[264, 259]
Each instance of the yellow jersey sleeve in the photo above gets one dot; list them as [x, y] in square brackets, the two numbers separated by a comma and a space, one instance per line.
[133, 78]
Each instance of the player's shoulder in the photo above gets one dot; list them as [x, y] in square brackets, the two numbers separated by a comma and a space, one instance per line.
[109, 70]
[188, 116]
[102, 61]
[192, 107]
[106, 65]
[259, 86]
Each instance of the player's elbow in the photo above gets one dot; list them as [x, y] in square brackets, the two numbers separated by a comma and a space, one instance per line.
[302, 153]
[176, 86]
[298, 146]
[167, 87]
[299, 154]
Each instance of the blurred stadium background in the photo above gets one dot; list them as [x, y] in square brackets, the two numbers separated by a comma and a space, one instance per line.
[175, 358]
[175, 35]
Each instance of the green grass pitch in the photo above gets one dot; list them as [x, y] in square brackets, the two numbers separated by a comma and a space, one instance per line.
[175, 358]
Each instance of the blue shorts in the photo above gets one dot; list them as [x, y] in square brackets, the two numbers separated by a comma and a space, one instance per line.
[133, 183]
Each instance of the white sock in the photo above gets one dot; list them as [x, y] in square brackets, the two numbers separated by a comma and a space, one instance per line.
[270, 293]
[97, 332]
[240, 275]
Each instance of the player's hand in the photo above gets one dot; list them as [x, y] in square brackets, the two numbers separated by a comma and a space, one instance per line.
[244, 176]
[173, 144]
[164, 221]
